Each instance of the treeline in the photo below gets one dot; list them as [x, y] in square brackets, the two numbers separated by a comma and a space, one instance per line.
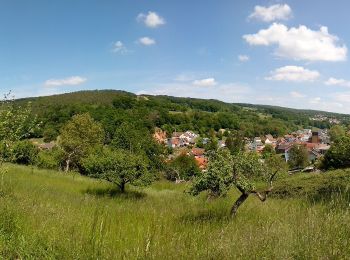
[111, 108]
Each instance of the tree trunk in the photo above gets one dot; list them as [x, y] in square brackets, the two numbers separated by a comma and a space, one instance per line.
[122, 187]
[238, 203]
[67, 165]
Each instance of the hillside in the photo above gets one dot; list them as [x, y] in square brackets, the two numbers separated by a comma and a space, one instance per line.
[50, 215]
[169, 113]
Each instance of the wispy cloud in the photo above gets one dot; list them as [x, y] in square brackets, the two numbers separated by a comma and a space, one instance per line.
[119, 47]
[337, 82]
[208, 82]
[296, 94]
[147, 41]
[271, 13]
[71, 81]
[243, 58]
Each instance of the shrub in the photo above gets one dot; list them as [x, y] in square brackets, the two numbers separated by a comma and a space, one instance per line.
[183, 167]
[50, 134]
[338, 156]
[24, 152]
[50, 159]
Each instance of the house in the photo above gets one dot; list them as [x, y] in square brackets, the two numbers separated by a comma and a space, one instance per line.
[283, 148]
[160, 136]
[257, 144]
[322, 148]
[189, 137]
[176, 142]
[270, 140]
[312, 149]
[315, 137]
[177, 134]
[197, 152]
[222, 131]
[221, 144]
[290, 138]
[205, 140]
[202, 162]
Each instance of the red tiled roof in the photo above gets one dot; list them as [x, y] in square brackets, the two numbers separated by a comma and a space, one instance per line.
[198, 151]
[202, 162]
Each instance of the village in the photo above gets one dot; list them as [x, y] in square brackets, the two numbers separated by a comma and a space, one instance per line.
[317, 142]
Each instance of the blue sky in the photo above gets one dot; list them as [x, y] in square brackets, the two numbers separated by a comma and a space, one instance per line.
[288, 53]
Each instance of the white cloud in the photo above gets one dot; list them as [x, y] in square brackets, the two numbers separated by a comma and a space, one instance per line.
[243, 58]
[293, 73]
[271, 13]
[147, 41]
[315, 100]
[152, 19]
[300, 43]
[342, 97]
[337, 82]
[209, 82]
[295, 94]
[71, 81]
[119, 47]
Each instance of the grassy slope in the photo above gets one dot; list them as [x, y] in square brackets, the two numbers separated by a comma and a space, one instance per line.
[45, 214]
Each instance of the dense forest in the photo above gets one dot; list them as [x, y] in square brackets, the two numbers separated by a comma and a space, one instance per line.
[113, 107]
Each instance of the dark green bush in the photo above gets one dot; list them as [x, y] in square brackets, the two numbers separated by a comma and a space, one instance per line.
[52, 159]
[24, 152]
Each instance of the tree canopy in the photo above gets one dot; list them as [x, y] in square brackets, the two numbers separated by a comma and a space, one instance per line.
[79, 136]
[298, 157]
[119, 167]
[241, 171]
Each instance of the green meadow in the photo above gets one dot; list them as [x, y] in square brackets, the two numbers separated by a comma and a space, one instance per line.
[51, 215]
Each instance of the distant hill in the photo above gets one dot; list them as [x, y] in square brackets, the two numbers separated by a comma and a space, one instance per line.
[112, 107]
[106, 97]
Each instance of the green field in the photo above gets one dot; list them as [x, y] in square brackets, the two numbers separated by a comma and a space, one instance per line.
[50, 215]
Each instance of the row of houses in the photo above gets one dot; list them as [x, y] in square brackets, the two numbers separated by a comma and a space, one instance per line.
[316, 143]
[182, 139]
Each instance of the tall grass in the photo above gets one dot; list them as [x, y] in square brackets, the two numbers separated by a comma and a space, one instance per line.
[51, 215]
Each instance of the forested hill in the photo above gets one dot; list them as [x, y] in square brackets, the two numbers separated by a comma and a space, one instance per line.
[111, 107]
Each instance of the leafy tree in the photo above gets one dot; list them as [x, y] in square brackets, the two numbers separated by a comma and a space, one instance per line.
[50, 134]
[235, 143]
[24, 152]
[52, 159]
[119, 167]
[183, 167]
[336, 132]
[298, 157]
[268, 151]
[212, 144]
[241, 171]
[199, 142]
[124, 102]
[338, 156]
[138, 141]
[16, 122]
[78, 137]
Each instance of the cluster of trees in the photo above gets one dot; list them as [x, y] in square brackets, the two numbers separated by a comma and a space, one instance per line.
[111, 108]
